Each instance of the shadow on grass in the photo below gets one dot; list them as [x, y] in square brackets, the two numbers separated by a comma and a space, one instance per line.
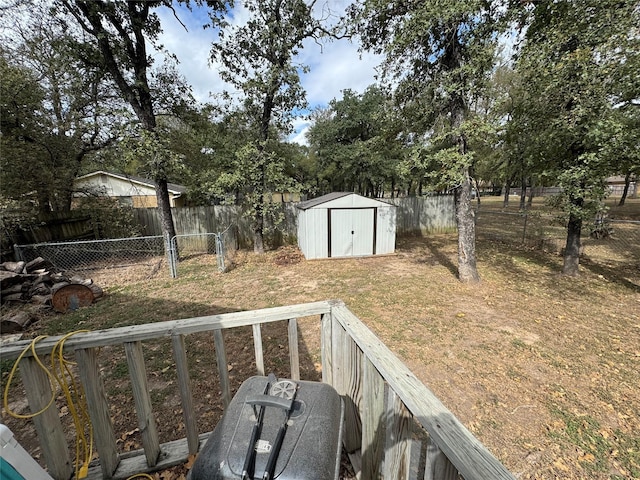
[612, 274]
[436, 246]
[502, 258]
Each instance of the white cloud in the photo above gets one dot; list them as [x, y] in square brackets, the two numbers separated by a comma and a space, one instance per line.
[334, 66]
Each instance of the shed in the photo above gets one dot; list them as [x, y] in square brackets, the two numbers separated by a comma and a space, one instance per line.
[344, 224]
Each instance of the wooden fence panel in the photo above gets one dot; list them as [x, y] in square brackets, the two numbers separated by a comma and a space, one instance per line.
[414, 214]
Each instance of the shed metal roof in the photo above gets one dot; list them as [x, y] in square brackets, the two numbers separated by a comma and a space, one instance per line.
[329, 197]
[323, 199]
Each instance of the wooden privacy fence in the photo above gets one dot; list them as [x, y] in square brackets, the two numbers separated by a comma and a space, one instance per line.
[413, 214]
[395, 428]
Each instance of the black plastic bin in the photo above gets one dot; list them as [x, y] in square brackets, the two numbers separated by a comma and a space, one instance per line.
[308, 416]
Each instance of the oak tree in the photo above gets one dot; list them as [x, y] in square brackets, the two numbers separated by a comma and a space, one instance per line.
[438, 54]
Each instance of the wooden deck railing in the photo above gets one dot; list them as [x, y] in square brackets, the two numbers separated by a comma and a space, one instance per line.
[395, 427]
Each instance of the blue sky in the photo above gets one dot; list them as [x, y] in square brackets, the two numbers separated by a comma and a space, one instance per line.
[334, 66]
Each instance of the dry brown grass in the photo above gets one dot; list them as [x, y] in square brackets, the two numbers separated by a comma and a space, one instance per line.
[542, 368]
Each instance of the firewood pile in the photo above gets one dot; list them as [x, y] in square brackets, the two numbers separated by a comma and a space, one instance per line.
[39, 284]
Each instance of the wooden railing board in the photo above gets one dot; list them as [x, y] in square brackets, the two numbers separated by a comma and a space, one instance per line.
[373, 421]
[37, 386]
[437, 465]
[471, 457]
[98, 406]
[294, 356]
[325, 348]
[397, 458]
[347, 368]
[142, 400]
[223, 368]
[172, 453]
[257, 347]
[186, 397]
[186, 326]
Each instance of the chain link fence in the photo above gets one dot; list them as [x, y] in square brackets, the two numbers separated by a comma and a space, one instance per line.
[92, 255]
[95, 254]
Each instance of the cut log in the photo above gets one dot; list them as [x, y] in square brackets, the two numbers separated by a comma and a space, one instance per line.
[16, 267]
[38, 264]
[41, 299]
[71, 297]
[8, 279]
[81, 281]
[97, 291]
[12, 289]
[14, 297]
[15, 323]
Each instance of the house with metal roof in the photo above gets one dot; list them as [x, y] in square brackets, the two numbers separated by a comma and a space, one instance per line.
[136, 191]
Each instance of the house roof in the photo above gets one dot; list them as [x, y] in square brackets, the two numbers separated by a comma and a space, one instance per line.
[173, 187]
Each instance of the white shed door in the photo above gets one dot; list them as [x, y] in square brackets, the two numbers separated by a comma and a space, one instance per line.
[352, 232]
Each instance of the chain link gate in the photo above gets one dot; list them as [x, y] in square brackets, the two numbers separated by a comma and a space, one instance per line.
[182, 246]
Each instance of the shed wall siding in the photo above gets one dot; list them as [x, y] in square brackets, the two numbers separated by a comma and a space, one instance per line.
[386, 230]
[312, 233]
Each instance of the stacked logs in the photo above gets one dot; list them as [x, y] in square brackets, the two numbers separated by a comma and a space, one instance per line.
[38, 283]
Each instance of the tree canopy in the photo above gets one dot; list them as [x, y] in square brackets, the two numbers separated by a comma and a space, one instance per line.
[576, 115]
[448, 111]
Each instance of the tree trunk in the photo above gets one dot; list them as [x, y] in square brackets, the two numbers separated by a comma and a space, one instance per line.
[572, 247]
[258, 232]
[164, 208]
[530, 199]
[507, 190]
[466, 221]
[523, 193]
[625, 192]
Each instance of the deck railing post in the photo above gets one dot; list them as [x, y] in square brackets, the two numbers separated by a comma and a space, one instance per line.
[373, 421]
[223, 370]
[294, 356]
[325, 348]
[186, 395]
[257, 348]
[397, 457]
[347, 364]
[91, 378]
[437, 465]
[142, 400]
[52, 440]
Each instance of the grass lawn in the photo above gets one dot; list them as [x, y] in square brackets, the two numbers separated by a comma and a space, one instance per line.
[543, 369]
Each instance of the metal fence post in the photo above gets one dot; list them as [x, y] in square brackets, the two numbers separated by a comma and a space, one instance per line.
[17, 253]
[171, 255]
[220, 252]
